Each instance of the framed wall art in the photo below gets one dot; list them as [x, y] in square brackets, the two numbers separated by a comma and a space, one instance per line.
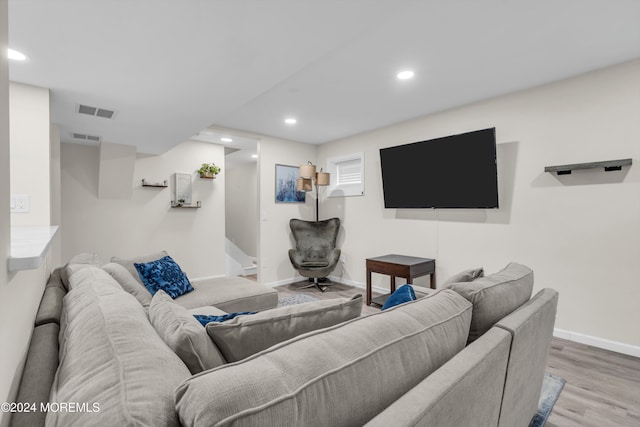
[286, 177]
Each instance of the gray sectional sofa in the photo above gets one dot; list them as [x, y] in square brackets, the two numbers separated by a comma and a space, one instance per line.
[445, 359]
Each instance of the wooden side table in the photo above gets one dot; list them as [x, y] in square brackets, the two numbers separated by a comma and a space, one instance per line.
[407, 267]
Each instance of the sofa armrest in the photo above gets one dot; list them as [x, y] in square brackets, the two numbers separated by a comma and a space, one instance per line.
[531, 328]
[465, 391]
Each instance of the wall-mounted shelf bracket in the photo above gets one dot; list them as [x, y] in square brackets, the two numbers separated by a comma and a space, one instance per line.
[608, 165]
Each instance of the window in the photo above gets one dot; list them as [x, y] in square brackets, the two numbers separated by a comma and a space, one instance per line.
[347, 175]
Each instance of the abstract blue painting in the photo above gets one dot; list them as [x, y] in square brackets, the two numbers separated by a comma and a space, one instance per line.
[286, 177]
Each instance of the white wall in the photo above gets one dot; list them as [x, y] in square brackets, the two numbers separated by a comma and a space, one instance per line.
[146, 223]
[24, 168]
[241, 204]
[579, 233]
[30, 146]
[275, 235]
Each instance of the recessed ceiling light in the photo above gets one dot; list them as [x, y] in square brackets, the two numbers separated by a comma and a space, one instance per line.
[404, 75]
[226, 139]
[255, 156]
[14, 54]
[290, 121]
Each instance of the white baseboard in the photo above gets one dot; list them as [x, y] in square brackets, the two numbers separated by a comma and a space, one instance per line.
[360, 285]
[618, 347]
[284, 281]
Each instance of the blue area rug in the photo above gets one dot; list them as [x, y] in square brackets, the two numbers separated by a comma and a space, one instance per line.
[551, 388]
[295, 299]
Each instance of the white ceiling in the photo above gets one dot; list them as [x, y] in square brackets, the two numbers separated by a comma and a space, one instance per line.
[171, 68]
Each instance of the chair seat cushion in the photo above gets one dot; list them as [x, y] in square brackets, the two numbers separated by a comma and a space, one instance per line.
[314, 264]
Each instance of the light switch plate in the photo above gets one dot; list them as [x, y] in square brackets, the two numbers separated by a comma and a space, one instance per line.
[19, 203]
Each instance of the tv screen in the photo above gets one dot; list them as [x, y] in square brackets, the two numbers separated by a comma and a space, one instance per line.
[457, 171]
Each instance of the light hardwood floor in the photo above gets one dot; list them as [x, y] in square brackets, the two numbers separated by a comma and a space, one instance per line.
[602, 389]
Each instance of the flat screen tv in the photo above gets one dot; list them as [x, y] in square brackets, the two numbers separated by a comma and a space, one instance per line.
[457, 171]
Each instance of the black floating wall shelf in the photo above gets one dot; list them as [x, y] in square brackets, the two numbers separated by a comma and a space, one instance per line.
[608, 165]
[154, 184]
[186, 206]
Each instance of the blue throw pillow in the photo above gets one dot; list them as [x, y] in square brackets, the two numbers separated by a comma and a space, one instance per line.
[403, 294]
[204, 319]
[164, 274]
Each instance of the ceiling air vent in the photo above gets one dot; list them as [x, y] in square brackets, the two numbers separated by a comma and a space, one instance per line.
[84, 137]
[96, 112]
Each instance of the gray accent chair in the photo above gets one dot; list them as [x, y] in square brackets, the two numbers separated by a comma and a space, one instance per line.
[315, 255]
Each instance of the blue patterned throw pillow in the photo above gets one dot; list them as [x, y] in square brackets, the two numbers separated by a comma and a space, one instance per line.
[164, 274]
[204, 319]
[403, 294]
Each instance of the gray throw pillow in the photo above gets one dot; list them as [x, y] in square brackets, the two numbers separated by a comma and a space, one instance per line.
[465, 276]
[128, 262]
[495, 296]
[183, 334]
[246, 335]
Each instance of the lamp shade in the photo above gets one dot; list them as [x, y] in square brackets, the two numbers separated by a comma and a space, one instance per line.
[323, 178]
[307, 171]
[303, 184]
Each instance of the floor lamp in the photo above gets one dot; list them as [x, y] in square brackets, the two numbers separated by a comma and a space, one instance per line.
[309, 178]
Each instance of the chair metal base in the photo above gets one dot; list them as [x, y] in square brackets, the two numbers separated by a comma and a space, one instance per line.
[315, 281]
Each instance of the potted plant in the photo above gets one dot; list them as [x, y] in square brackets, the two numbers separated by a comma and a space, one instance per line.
[208, 170]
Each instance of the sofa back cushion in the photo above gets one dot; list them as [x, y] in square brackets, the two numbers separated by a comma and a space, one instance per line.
[464, 276]
[495, 296]
[128, 262]
[246, 335]
[342, 375]
[78, 261]
[183, 334]
[129, 283]
[111, 356]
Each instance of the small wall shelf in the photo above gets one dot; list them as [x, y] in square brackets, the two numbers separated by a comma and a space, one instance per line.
[154, 184]
[608, 165]
[182, 206]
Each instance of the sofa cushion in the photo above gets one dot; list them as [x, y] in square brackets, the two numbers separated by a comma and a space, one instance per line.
[128, 262]
[38, 374]
[207, 310]
[246, 335]
[77, 261]
[341, 375]
[165, 274]
[495, 296]
[111, 356]
[531, 328]
[465, 276]
[183, 334]
[129, 283]
[50, 309]
[231, 294]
